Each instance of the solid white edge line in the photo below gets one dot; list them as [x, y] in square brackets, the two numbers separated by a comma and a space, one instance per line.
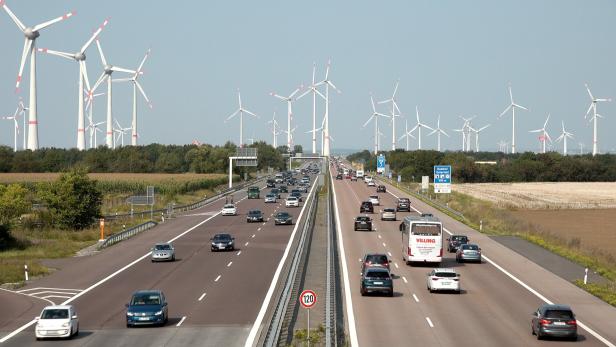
[181, 321]
[345, 274]
[429, 322]
[530, 289]
[415, 297]
[252, 335]
[47, 288]
[202, 296]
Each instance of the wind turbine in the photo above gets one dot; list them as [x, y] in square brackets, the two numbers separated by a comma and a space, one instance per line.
[327, 83]
[375, 115]
[15, 128]
[563, 137]
[313, 88]
[408, 134]
[106, 75]
[20, 111]
[31, 34]
[120, 132]
[136, 85]
[80, 58]
[438, 131]
[275, 131]
[593, 107]
[289, 100]
[512, 106]
[503, 146]
[477, 131]
[394, 107]
[544, 134]
[241, 110]
[418, 127]
[92, 127]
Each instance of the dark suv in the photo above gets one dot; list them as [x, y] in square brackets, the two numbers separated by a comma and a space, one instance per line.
[374, 259]
[366, 207]
[363, 223]
[147, 307]
[455, 241]
[404, 204]
[381, 189]
[376, 280]
[554, 321]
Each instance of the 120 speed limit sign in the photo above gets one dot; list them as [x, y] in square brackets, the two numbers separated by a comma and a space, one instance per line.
[308, 298]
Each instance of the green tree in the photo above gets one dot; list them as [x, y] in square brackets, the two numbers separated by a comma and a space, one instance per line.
[13, 202]
[73, 200]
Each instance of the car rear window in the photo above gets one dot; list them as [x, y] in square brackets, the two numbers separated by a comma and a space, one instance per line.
[445, 274]
[362, 219]
[376, 259]
[377, 274]
[389, 210]
[403, 200]
[459, 238]
[559, 314]
[229, 206]
[162, 247]
[471, 247]
[55, 314]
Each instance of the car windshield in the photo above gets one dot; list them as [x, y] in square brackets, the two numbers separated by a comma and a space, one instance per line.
[377, 274]
[55, 313]
[366, 203]
[222, 238]
[470, 247]
[270, 195]
[459, 238]
[389, 210]
[283, 215]
[292, 198]
[229, 206]
[254, 212]
[445, 274]
[559, 314]
[362, 219]
[376, 259]
[145, 299]
[164, 247]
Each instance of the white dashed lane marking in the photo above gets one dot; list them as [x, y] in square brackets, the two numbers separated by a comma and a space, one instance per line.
[229, 263]
[217, 278]
[181, 321]
[202, 296]
[429, 322]
[238, 253]
[404, 279]
[415, 297]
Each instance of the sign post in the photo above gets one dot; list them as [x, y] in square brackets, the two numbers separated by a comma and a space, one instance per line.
[380, 164]
[308, 298]
[442, 179]
[425, 183]
[102, 225]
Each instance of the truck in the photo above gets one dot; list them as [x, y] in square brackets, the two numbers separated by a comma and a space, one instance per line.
[253, 192]
[359, 174]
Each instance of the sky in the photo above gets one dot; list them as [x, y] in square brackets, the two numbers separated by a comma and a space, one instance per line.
[453, 58]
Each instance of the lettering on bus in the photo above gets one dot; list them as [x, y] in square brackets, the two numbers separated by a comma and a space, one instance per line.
[426, 240]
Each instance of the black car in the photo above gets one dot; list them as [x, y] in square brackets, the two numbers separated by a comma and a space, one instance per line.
[270, 183]
[366, 207]
[404, 204]
[375, 280]
[363, 223]
[283, 189]
[254, 216]
[339, 176]
[223, 242]
[276, 192]
[455, 241]
[554, 321]
[381, 189]
[147, 307]
[297, 194]
[283, 218]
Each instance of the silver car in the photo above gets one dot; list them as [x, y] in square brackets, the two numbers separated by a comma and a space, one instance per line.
[468, 252]
[163, 252]
[388, 214]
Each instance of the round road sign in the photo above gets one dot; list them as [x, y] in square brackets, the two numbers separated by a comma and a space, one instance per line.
[308, 298]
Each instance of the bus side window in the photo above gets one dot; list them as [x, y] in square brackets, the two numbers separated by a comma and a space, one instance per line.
[402, 226]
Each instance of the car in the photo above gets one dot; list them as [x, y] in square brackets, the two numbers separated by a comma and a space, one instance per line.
[270, 183]
[424, 215]
[554, 320]
[57, 321]
[283, 217]
[374, 199]
[229, 210]
[276, 192]
[371, 184]
[404, 204]
[374, 259]
[297, 194]
[303, 188]
[443, 279]
[270, 198]
[376, 280]
[368, 179]
[222, 242]
[388, 214]
[362, 223]
[147, 307]
[339, 176]
[283, 189]
[381, 189]
[366, 207]
[468, 252]
[353, 178]
[291, 201]
[163, 252]
[254, 216]
[455, 241]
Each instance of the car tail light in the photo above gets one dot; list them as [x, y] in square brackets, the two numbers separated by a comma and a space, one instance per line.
[440, 254]
[456, 279]
[544, 322]
[410, 252]
[435, 278]
[571, 322]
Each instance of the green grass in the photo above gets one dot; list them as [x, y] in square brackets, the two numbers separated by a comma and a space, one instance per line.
[605, 292]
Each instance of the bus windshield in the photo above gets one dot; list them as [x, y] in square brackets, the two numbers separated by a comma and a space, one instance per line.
[426, 229]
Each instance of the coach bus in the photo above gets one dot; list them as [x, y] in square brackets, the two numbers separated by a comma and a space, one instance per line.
[422, 239]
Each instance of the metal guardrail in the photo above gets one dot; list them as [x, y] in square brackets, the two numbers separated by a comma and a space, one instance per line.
[332, 280]
[113, 239]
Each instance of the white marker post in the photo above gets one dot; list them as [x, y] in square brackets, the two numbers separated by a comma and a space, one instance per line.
[308, 299]
[585, 275]
[26, 272]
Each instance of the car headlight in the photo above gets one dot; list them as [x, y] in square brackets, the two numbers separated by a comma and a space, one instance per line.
[130, 314]
[65, 325]
[158, 313]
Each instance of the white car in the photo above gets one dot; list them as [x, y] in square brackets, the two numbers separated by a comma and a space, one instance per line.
[57, 321]
[270, 198]
[229, 210]
[371, 184]
[374, 199]
[368, 179]
[443, 279]
[291, 201]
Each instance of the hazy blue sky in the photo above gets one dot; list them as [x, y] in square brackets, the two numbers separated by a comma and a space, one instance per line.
[452, 57]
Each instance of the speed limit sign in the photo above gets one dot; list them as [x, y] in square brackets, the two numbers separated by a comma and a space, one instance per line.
[308, 298]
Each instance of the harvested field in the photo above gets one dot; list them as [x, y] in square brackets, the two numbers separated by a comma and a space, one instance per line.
[128, 177]
[557, 195]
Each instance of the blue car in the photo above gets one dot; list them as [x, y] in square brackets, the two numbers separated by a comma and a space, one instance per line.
[147, 307]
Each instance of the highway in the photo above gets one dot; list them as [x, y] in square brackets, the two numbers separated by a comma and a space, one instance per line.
[492, 310]
[214, 297]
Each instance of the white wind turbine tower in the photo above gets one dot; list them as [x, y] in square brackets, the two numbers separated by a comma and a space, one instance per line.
[108, 71]
[418, 127]
[15, 128]
[593, 107]
[477, 131]
[468, 133]
[375, 115]
[512, 106]
[241, 110]
[275, 131]
[80, 58]
[136, 85]
[503, 146]
[313, 88]
[407, 134]
[31, 34]
[438, 131]
[544, 134]
[327, 83]
[563, 137]
[289, 100]
[394, 107]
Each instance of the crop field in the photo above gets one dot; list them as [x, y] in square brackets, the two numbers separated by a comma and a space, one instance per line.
[127, 177]
[558, 195]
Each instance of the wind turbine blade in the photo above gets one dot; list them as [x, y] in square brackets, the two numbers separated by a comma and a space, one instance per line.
[558, 139]
[278, 96]
[99, 81]
[589, 93]
[94, 35]
[329, 62]
[608, 100]
[295, 92]
[143, 93]
[589, 109]
[426, 126]
[128, 79]
[233, 114]
[100, 52]
[84, 71]
[368, 121]
[548, 136]
[403, 136]
[147, 54]
[510, 94]
[382, 115]
[384, 101]
[304, 93]
[520, 106]
[444, 133]
[417, 113]
[395, 89]
[535, 131]
[24, 55]
[53, 21]
[121, 69]
[505, 111]
[333, 86]
[19, 24]
[250, 113]
[320, 94]
[57, 53]
[546, 121]
[414, 128]
[432, 132]
[483, 128]
[372, 101]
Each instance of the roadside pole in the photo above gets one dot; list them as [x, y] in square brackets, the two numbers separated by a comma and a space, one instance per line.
[102, 225]
[307, 299]
[26, 272]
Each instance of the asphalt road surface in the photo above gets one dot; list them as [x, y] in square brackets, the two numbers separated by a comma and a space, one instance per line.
[214, 297]
[492, 310]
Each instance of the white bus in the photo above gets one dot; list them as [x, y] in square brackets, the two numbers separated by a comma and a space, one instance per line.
[422, 240]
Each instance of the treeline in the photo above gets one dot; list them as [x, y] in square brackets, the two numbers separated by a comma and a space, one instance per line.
[519, 167]
[154, 158]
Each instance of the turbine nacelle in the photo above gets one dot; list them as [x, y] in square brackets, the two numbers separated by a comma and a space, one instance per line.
[31, 34]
